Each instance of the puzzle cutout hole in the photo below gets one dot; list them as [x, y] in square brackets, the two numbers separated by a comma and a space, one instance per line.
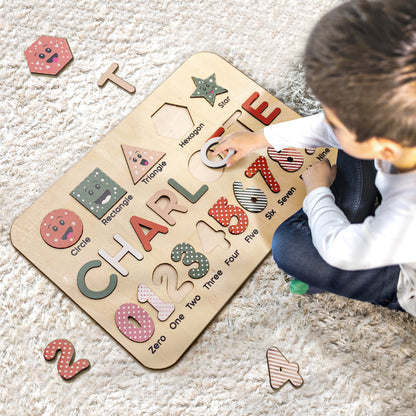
[172, 121]
[202, 172]
[209, 238]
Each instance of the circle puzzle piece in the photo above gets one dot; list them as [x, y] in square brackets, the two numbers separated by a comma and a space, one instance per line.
[61, 228]
[48, 55]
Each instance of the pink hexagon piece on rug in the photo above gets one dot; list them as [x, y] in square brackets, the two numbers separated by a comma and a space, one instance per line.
[48, 55]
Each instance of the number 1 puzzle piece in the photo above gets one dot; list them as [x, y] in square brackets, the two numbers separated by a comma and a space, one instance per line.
[281, 370]
[65, 369]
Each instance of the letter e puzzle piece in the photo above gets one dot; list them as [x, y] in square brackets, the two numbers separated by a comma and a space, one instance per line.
[48, 55]
[281, 370]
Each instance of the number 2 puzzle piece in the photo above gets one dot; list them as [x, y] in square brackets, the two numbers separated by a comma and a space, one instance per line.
[281, 370]
[65, 369]
[48, 55]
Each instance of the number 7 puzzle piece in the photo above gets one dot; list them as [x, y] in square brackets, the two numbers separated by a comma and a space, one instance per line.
[281, 370]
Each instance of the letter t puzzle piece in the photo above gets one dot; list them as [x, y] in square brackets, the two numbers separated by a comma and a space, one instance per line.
[281, 370]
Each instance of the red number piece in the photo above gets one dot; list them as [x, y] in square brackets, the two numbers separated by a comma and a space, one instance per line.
[65, 369]
[223, 213]
[260, 164]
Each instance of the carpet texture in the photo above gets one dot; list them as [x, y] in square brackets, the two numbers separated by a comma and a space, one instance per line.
[355, 359]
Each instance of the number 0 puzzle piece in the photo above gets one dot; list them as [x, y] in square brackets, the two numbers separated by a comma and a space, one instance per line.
[281, 370]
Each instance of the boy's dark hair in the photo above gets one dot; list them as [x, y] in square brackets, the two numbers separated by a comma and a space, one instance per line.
[360, 61]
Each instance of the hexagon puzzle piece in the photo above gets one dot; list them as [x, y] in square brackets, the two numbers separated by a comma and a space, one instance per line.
[48, 55]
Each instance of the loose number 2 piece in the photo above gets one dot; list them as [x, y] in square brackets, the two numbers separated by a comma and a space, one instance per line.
[65, 369]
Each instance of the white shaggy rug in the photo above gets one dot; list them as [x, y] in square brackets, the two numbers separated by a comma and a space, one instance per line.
[355, 359]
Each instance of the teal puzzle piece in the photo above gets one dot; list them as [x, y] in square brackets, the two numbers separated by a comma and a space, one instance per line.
[98, 193]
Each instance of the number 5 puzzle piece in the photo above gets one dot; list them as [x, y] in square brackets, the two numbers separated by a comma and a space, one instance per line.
[281, 370]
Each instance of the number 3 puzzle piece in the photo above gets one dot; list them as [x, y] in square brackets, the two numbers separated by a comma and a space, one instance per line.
[281, 370]
[65, 369]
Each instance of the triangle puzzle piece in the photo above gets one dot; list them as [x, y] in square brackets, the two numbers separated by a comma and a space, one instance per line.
[281, 370]
[140, 160]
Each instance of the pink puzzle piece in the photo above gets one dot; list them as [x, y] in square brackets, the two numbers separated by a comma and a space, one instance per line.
[48, 55]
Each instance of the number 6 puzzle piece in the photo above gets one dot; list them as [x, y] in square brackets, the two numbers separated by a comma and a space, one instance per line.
[281, 370]
[65, 369]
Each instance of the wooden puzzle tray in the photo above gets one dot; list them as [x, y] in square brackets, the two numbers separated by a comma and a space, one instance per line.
[146, 238]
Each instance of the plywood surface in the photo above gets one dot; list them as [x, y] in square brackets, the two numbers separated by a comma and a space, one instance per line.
[179, 267]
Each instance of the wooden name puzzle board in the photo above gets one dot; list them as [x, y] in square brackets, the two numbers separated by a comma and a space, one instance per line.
[146, 238]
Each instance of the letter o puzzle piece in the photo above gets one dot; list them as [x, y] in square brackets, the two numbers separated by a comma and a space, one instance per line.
[48, 55]
[61, 228]
[65, 369]
[289, 160]
[131, 310]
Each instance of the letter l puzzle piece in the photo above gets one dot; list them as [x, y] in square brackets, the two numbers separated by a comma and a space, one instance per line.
[281, 370]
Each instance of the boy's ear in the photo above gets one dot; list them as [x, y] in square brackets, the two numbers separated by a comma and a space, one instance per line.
[388, 149]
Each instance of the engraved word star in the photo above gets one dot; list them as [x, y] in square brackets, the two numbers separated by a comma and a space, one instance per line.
[207, 88]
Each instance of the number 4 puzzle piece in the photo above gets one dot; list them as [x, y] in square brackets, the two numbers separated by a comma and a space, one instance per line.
[281, 370]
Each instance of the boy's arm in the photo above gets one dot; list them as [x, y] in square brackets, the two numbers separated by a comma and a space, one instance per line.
[384, 239]
[303, 132]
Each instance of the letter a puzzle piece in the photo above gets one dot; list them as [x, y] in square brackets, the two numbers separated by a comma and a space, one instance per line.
[140, 160]
[281, 370]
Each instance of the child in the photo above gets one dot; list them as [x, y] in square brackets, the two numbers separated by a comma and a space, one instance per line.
[360, 62]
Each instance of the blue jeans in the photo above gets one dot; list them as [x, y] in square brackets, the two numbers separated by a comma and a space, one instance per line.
[355, 193]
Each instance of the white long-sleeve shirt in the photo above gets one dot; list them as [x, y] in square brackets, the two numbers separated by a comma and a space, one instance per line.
[387, 238]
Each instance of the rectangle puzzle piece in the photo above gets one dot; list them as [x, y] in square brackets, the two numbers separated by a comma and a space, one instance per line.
[145, 238]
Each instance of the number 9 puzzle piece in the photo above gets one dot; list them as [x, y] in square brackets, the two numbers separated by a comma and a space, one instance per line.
[48, 55]
[281, 370]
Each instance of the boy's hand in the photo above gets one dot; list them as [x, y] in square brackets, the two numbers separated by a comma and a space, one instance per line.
[242, 142]
[319, 174]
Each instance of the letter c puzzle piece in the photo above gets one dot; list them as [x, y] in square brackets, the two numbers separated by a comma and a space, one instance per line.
[65, 369]
[217, 163]
[281, 370]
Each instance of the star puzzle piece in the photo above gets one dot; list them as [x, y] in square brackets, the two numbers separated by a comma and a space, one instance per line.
[48, 55]
[207, 88]
[281, 370]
